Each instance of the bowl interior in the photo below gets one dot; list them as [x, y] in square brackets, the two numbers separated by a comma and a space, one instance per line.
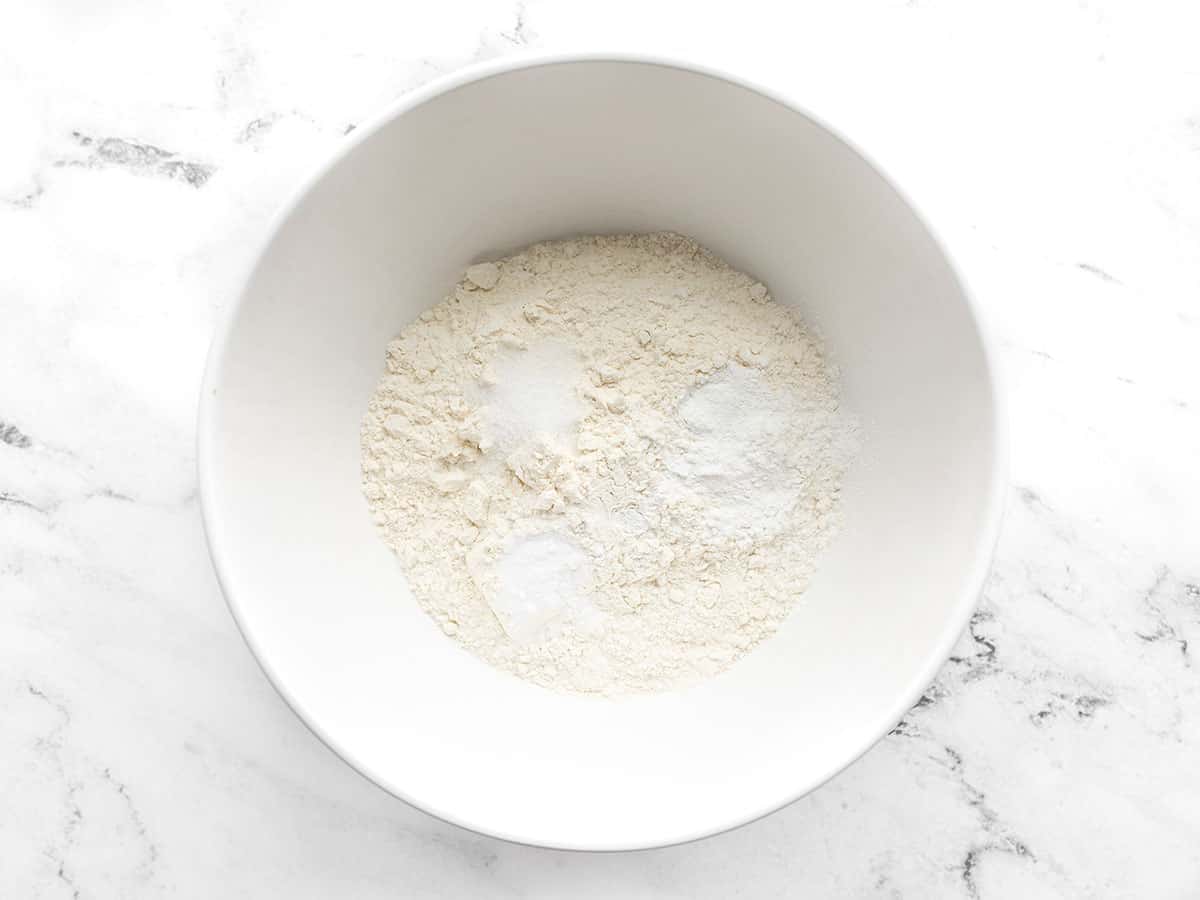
[484, 166]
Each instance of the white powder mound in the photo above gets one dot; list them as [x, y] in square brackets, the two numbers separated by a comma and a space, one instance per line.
[539, 589]
[607, 464]
[522, 394]
[740, 461]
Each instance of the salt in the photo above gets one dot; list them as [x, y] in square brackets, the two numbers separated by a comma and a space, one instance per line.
[540, 582]
[532, 394]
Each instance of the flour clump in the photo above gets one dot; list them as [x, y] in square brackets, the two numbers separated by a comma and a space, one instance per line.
[608, 464]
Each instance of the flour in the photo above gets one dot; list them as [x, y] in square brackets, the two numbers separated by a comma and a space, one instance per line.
[607, 464]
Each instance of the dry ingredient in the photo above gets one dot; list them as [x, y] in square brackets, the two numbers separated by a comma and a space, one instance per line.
[607, 464]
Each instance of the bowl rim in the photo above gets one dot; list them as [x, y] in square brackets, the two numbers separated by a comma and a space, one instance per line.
[954, 625]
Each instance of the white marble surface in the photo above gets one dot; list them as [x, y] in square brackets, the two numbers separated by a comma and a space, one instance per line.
[142, 754]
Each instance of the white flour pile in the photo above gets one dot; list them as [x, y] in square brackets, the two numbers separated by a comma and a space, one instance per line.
[607, 464]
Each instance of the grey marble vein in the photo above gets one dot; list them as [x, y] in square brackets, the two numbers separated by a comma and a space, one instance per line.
[138, 157]
[13, 436]
[1098, 272]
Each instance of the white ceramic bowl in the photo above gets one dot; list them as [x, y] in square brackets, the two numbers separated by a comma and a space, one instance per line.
[481, 163]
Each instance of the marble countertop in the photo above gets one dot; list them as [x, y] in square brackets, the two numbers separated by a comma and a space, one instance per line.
[142, 753]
